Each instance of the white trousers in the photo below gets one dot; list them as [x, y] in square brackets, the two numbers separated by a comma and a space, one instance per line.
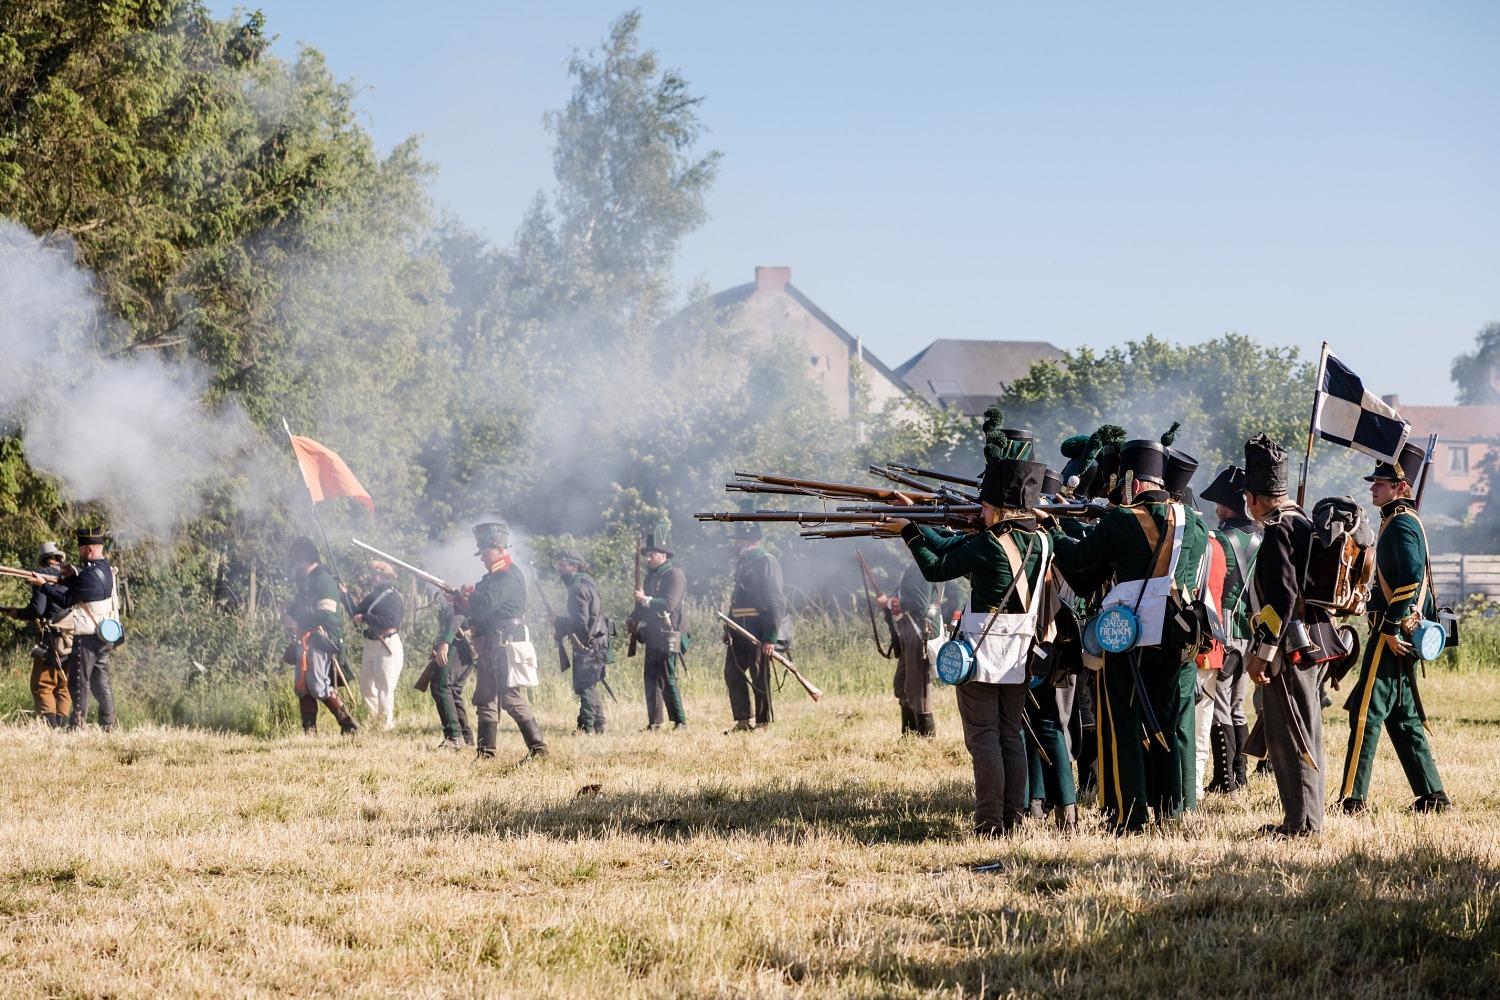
[1203, 718]
[379, 671]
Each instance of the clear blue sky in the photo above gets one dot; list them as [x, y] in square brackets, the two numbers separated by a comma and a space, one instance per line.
[1084, 173]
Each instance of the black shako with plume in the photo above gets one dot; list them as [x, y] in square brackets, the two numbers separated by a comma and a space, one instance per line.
[1010, 478]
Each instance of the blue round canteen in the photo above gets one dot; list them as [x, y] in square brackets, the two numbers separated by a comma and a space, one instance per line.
[110, 629]
[1428, 640]
[1117, 628]
[955, 661]
[1090, 637]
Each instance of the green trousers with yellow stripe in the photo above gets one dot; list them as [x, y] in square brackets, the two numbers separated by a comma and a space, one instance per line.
[1385, 693]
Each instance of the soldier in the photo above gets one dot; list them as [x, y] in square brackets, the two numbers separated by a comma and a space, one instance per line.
[495, 607]
[50, 699]
[1006, 564]
[1286, 630]
[89, 590]
[917, 608]
[1387, 687]
[380, 615]
[1239, 538]
[1150, 547]
[581, 630]
[658, 623]
[452, 660]
[313, 616]
[759, 606]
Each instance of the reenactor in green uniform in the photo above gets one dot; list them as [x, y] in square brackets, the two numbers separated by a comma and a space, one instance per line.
[1290, 636]
[1145, 696]
[917, 610]
[495, 607]
[658, 623]
[582, 632]
[317, 623]
[1387, 687]
[1006, 565]
[1239, 537]
[450, 663]
[757, 605]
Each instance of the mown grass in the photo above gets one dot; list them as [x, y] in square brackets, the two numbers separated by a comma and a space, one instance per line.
[824, 857]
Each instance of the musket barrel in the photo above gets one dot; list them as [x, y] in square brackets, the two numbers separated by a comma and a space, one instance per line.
[933, 474]
[420, 574]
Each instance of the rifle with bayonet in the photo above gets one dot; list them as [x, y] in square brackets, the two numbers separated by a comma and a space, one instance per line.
[812, 690]
[894, 648]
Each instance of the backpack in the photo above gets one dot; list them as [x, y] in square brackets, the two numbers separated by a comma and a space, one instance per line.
[1341, 559]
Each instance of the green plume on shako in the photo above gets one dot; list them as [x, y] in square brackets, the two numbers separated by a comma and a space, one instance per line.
[1171, 435]
[1002, 443]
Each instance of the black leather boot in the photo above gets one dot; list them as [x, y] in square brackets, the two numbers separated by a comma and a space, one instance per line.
[531, 732]
[1241, 734]
[308, 706]
[1223, 778]
[908, 720]
[926, 725]
[347, 725]
[487, 733]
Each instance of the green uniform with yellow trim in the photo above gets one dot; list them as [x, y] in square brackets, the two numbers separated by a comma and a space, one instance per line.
[1132, 774]
[1387, 687]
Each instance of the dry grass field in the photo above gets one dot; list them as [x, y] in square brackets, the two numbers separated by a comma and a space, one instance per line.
[824, 857]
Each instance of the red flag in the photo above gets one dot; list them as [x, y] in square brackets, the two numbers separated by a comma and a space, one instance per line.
[326, 474]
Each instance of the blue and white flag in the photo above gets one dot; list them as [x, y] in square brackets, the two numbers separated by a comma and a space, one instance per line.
[1346, 413]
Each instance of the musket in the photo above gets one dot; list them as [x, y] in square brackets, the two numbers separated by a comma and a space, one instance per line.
[845, 490]
[920, 515]
[890, 620]
[941, 492]
[1432, 440]
[562, 652]
[1083, 511]
[931, 474]
[872, 531]
[30, 576]
[791, 668]
[900, 510]
[420, 574]
[631, 644]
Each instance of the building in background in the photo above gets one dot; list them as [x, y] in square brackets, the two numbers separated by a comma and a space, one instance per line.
[1466, 434]
[967, 375]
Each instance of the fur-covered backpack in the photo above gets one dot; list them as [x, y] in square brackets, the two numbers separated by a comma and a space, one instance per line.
[1341, 559]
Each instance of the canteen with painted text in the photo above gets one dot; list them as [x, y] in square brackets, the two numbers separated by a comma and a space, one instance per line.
[955, 661]
[1116, 628]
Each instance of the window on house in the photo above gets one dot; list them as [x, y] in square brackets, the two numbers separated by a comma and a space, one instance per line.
[945, 387]
[1458, 460]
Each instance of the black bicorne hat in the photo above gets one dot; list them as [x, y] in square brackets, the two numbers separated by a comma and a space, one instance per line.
[1012, 483]
[1228, 489]
[1409, 471]
[1265, 466]
[658, 539]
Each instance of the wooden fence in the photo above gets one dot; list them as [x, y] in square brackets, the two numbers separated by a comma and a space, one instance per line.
[1456, 576]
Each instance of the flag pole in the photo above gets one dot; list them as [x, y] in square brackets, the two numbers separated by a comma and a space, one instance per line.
[1312, 423]
[332, 562]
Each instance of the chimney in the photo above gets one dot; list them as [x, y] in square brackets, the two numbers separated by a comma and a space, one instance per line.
[772, 279]
[1393, 401]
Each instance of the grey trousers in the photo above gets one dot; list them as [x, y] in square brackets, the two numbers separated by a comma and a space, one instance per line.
[991, 715]
[88, 672]
[1229, 693]
[1299, 784]
[493, 693]
[913, 685]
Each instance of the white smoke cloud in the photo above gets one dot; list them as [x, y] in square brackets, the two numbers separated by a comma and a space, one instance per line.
[129, 431]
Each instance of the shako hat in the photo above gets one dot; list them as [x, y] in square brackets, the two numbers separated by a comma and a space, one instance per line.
[1011, 479]
[747, 531]
[1144, 459]
[1052, 483]
[491, 535]
[1265, 466]
[1228, 489]
[89, 536]
[1179, 472]
[1409, 471]
[302, 549]
[658, 539]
